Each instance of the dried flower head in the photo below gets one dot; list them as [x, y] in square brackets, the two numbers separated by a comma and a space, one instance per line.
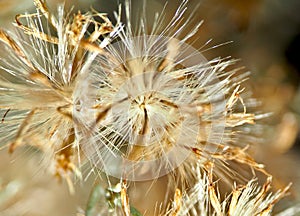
[160, 105]
[41, 72]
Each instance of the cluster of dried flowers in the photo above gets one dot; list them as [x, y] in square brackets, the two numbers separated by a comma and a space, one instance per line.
[78, 88]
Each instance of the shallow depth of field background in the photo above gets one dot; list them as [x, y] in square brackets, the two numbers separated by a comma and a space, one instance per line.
[265, 35]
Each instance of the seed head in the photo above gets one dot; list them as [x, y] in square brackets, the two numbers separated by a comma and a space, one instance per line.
[41, 72]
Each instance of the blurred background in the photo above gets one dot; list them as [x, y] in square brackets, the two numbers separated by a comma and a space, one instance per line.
[264, 34]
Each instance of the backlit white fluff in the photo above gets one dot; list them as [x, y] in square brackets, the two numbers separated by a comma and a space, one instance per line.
[158, 101]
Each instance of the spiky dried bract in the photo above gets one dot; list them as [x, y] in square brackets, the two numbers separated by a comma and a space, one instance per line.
[249, 199]
[41, 75]
[252, 199]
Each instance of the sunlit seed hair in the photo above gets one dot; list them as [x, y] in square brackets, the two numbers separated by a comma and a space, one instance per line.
[153, 96]
[42, 68]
